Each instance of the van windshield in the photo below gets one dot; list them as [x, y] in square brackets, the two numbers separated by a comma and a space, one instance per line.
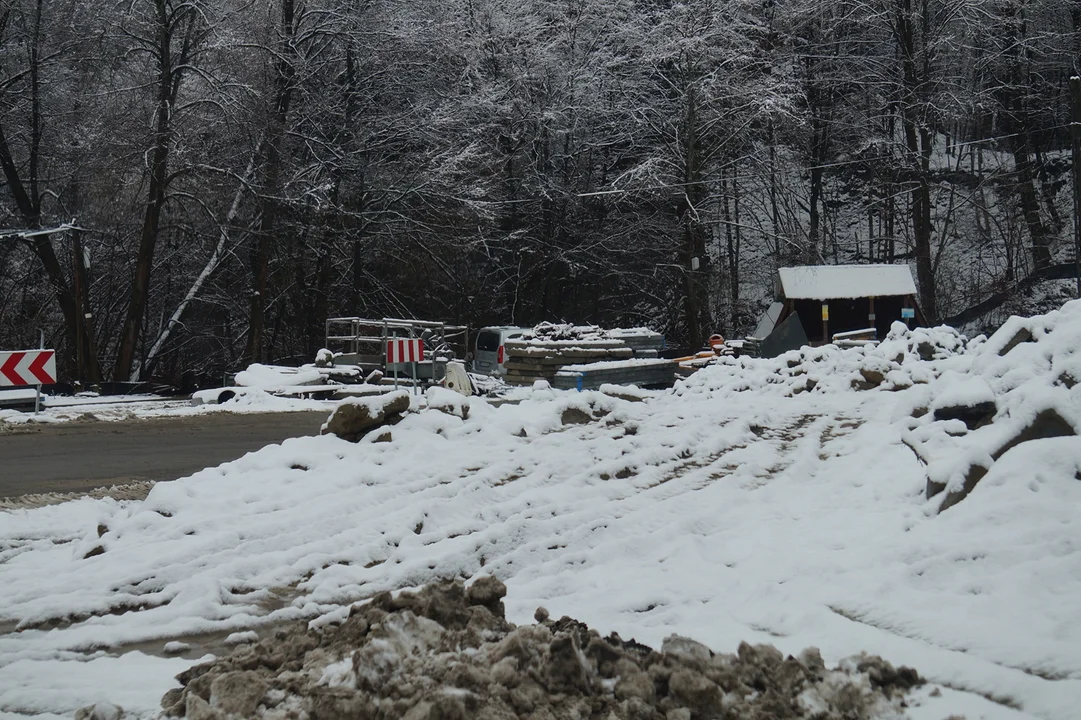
[488, 341]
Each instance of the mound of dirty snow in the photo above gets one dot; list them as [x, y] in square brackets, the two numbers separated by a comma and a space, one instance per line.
[448, 652]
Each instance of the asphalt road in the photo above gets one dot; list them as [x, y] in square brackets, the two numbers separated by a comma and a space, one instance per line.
[80, 456]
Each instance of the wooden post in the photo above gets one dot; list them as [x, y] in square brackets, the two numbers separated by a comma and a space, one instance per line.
[871, 314]
[825, 322]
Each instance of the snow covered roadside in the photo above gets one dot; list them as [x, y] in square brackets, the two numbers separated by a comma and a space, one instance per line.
[760, 501]
[142, 407]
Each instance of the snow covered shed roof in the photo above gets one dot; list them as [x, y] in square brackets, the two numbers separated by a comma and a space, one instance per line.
[823, 282]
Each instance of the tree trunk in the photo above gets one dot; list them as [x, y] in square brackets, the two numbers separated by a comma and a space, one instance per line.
[168, 87]
[1030, 204]
[918, 142]
[922, 231]
[734, 242]
[774, 213]
[695, 292]
[1026, 188]
[285, 71]
[86, 347]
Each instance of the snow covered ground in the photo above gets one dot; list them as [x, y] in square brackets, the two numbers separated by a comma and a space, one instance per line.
[769, 501]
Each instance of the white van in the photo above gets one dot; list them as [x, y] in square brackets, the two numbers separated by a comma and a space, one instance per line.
[489, 355]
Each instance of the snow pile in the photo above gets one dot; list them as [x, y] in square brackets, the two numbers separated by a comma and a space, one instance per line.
[448, 652]
[766, 501]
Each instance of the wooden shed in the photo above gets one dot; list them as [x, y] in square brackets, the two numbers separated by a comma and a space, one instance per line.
[831, 299]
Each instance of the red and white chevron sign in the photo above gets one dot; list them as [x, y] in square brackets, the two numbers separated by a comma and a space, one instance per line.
[403, 351]
[27, 367]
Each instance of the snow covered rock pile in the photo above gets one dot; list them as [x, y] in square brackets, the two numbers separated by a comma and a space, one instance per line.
[1020, 385]
[904, 358]
[448, 652]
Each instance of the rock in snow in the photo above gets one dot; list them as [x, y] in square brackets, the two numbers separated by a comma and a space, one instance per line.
[355, 417]
[447, 652]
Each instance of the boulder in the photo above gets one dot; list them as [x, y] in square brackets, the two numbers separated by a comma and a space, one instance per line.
[973, 476]
[1022, 335]
[973, 416]
[354, 418]
[575, 416]
[872, 376]
[447, 401]
[1047, 424]
[968, 399]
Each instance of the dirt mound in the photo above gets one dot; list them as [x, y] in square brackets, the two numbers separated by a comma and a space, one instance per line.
[447, 652]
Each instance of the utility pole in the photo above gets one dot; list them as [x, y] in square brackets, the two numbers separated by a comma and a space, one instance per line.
[1075, 134]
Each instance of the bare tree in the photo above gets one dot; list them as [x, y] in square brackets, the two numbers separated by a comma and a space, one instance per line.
[173, 32]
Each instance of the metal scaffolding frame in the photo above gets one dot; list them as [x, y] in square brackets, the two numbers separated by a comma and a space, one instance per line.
[365, 340]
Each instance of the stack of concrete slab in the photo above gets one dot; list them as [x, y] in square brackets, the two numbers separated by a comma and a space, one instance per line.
[644, 343]
[532, 360]
[541, 354]
[644, 372]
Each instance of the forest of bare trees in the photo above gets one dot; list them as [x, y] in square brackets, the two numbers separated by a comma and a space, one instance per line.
[189, 185]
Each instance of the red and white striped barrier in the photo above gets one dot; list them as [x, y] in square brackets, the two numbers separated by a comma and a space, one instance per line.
[403, 351]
